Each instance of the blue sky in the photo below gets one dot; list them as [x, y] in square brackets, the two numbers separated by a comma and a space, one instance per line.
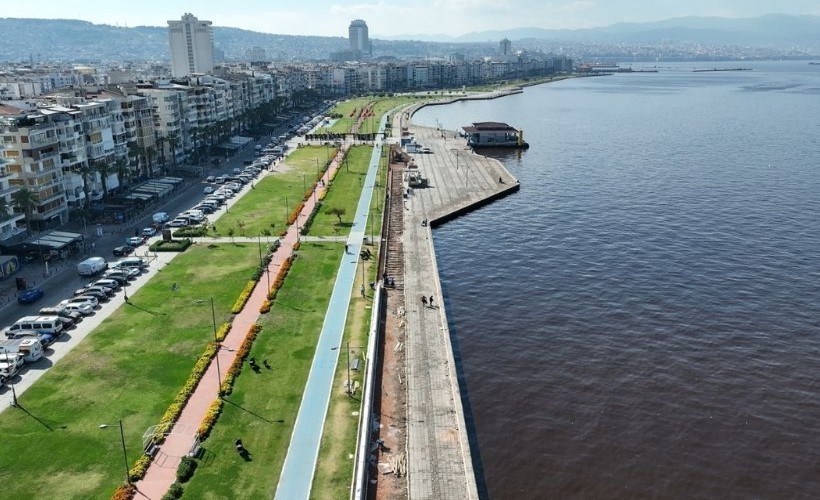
[389, 17]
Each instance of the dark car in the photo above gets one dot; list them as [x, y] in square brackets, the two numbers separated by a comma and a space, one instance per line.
[97, 294]
[123, 250]
[30, 295]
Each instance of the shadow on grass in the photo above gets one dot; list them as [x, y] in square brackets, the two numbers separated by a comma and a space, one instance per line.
[260, 417]
[131, 303]
[39, 420]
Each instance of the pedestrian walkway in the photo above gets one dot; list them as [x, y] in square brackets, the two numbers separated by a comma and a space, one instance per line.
[439, 460]
[162, 472]
[300, 462]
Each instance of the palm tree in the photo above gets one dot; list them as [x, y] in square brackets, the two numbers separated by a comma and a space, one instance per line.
[25, 201]
[150, 153]
[85, 171]
[4, 209]
[173, 142]
[104, 169]
[122, 171]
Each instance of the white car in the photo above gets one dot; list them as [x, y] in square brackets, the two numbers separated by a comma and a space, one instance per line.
[149, 231]
[208, 190]
[82, 299]
[84, 309]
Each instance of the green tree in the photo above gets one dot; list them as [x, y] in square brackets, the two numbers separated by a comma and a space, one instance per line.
[25, 201]
[338, 212]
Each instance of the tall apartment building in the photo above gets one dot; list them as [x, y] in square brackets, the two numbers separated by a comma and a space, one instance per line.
[192, 46]
[31, 151]
[505, 47]
[360, 44]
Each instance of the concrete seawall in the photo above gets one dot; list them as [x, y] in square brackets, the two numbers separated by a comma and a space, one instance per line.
[440, 461]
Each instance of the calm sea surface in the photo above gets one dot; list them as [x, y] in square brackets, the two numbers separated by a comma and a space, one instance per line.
[642, 320]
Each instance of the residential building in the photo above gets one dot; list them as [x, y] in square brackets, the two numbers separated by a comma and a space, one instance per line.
[192, 46]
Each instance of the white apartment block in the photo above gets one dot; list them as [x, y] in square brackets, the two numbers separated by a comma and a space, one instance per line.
[192, 46]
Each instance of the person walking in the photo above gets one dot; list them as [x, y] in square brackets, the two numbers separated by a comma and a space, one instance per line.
[431, 301]
[424, 300]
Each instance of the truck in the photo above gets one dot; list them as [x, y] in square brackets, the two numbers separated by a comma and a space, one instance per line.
[30, 347]
[92, 266]
[10, 364]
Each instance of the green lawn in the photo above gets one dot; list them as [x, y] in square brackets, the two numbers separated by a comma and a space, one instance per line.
[129, 368]
[343, 193]
[268, 205]
[381, 105]
[262, 408]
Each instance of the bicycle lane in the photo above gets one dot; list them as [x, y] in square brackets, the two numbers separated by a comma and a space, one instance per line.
[296, 479]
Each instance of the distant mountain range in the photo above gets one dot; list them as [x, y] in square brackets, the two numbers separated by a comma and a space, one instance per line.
[81, 41]
[773, 30]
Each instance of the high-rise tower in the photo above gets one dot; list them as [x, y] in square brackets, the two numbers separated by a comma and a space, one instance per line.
[192, 46]
[359, 41]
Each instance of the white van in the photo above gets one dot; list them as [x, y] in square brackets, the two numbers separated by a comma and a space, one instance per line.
[28, 324]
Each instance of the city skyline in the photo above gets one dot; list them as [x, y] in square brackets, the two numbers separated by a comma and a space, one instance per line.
[452, 17]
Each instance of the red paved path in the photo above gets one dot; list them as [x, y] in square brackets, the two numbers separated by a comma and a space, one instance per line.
[161, 473]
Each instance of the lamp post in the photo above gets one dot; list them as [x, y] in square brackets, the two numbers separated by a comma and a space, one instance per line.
[124, 454]
[216, 357]
[347, 384]
[125, 292]
[11, 380]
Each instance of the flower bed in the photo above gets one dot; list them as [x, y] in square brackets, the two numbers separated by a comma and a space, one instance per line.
[280, 277]
[316, 209]
[265, 307]
[222, 332]
[243, 297]
[172, 413]
[241, 353]
[124, 492]
[295, 213]
[210, 419]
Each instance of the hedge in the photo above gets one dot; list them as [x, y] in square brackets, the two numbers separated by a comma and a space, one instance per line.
[124, 492]
[243, 297]
[223, 330]
[280, 277]
[186, 469]
[191, 231]
[174, 492]
[210, 418]
[241, 353]
[295, 213]
[171, 246]
[172, 413]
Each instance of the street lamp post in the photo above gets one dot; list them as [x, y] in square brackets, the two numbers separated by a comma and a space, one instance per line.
[124, 454]
[11, 381]
[216, 357]
[347, 384]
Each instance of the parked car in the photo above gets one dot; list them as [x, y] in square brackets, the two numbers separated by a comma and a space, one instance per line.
[149, 231]
[134, 241]
[80, 308]
[108, 283]
[97, 293]
[210, 178]
[178, 223]
[129, 272]
[208, 190]
[123, 250]
[30, 295]
[220, 179]
[45, 338]
[82, 299]
[160, 217]
[62, 312]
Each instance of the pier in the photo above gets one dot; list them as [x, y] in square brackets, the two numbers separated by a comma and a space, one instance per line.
[439, 461]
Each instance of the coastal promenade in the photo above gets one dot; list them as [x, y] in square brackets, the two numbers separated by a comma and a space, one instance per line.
[439, 461]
